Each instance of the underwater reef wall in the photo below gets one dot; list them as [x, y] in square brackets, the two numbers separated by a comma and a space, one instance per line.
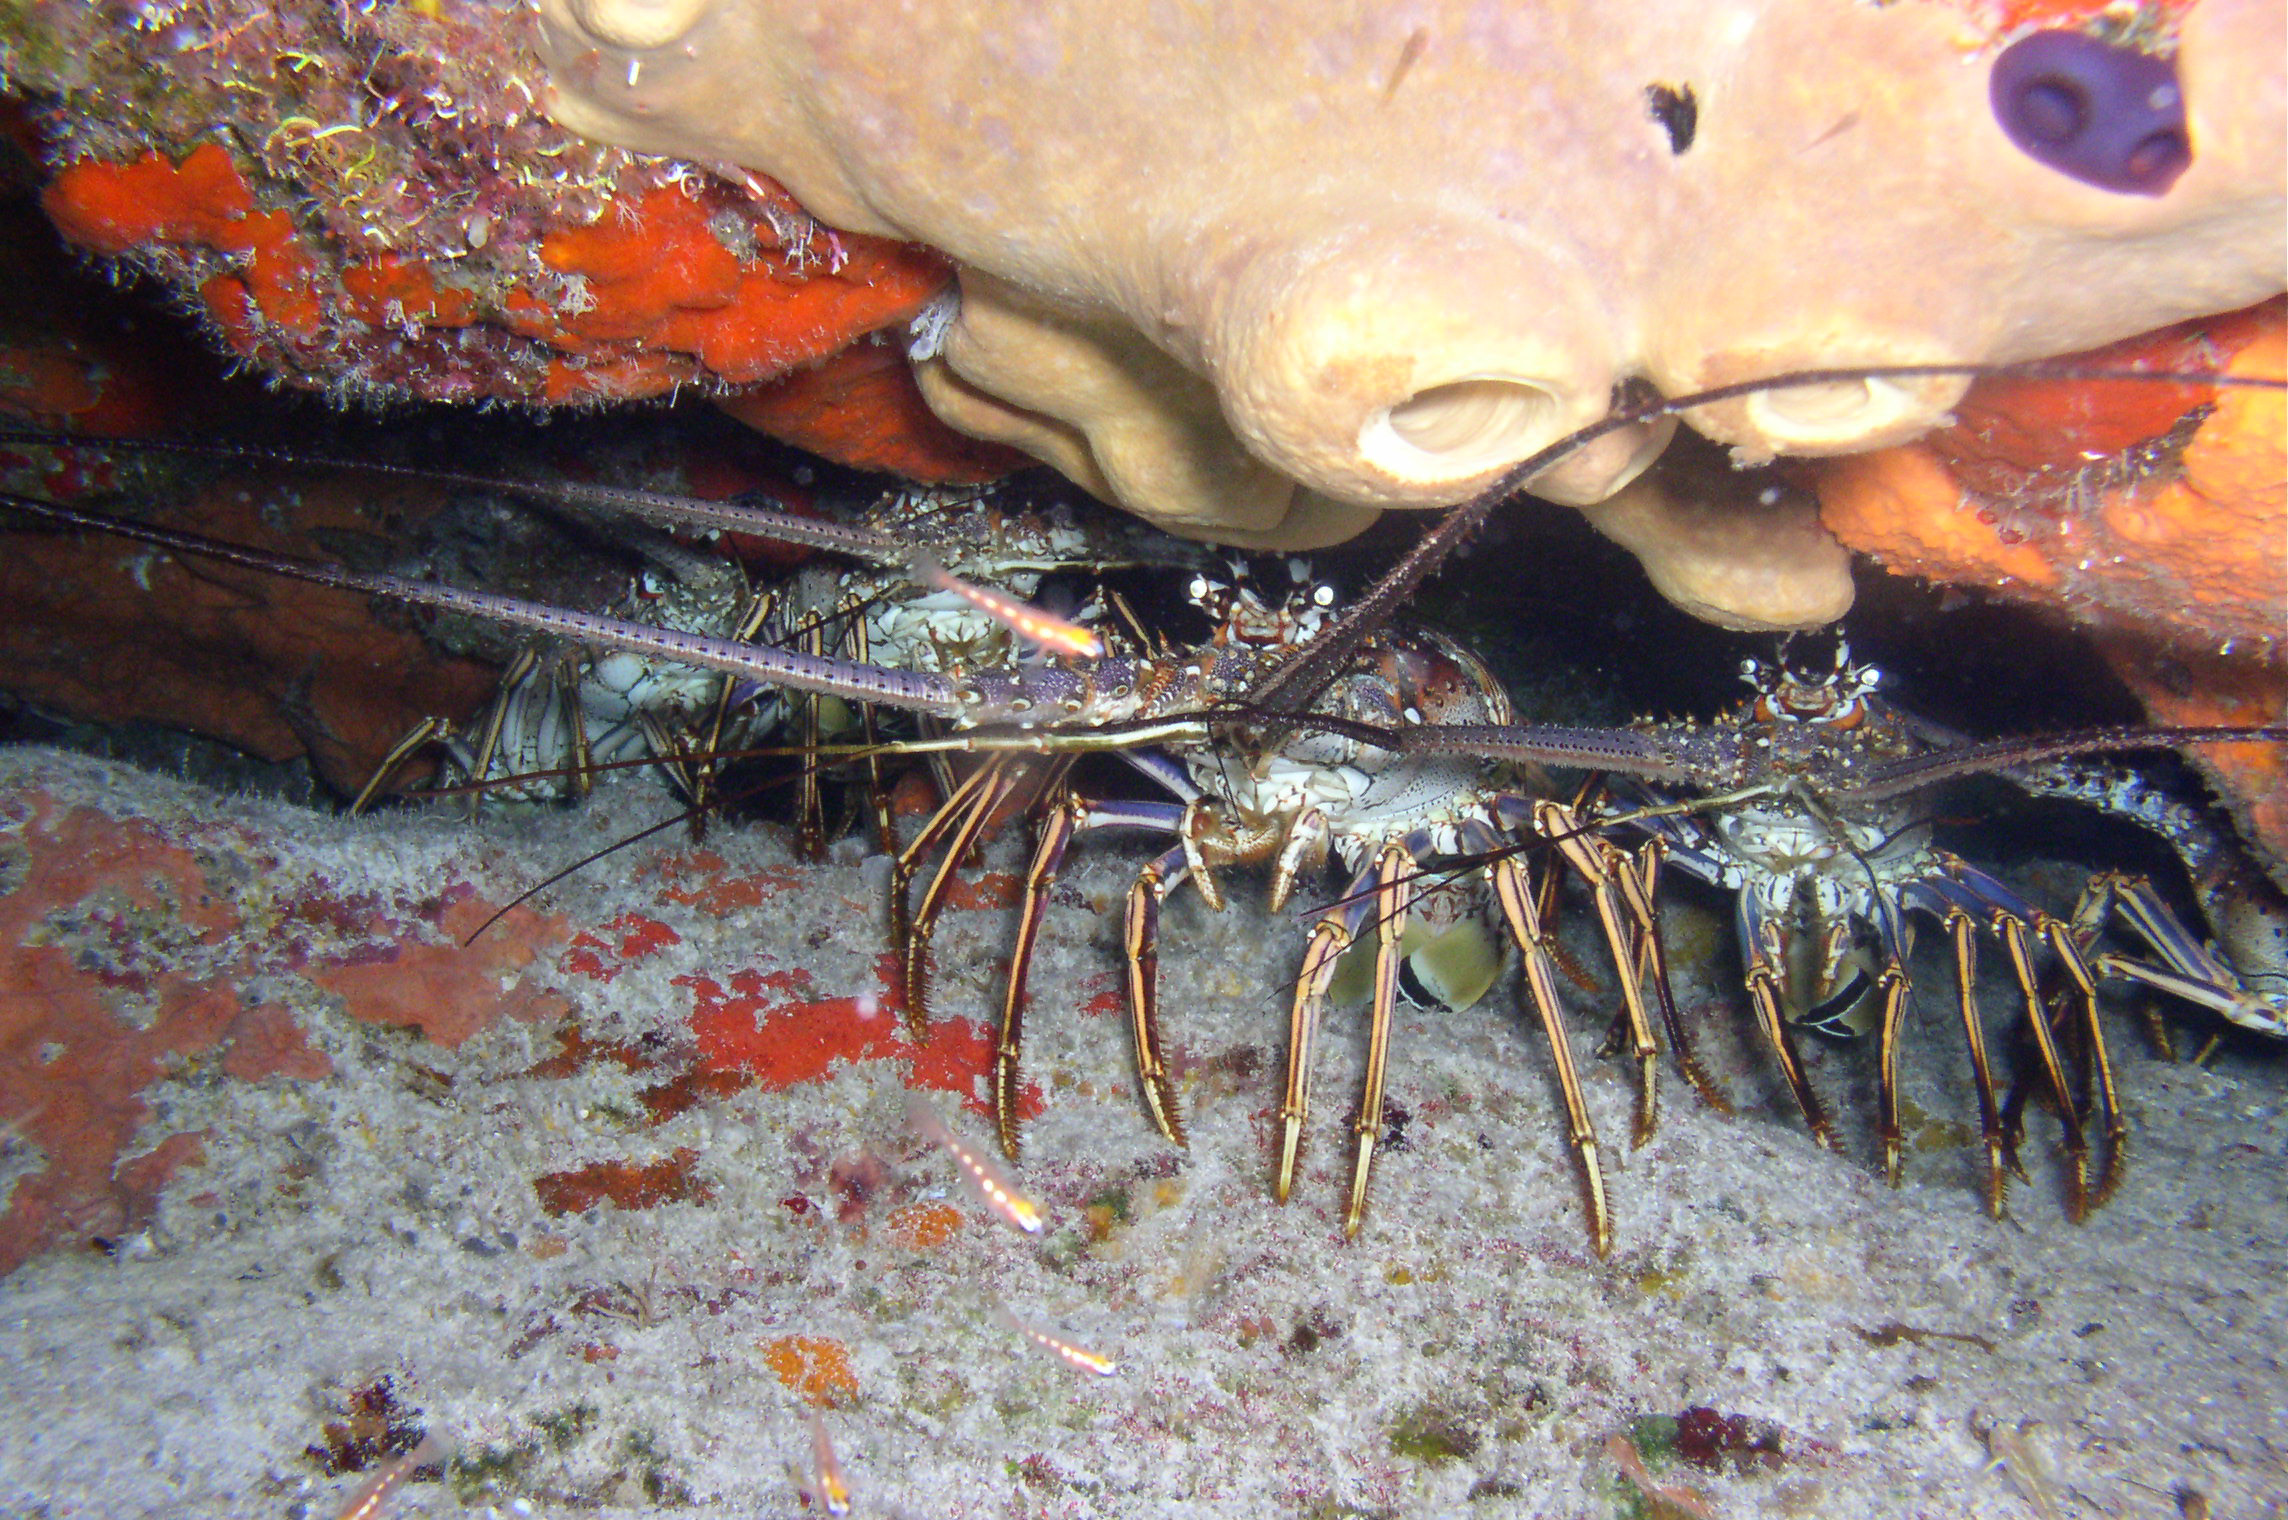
[1258, 278]
[1254, 278]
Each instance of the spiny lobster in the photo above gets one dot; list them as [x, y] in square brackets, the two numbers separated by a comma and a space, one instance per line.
[562, 713]
[1289, 705]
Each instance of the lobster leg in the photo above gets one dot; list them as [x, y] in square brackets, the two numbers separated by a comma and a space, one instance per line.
[1641, 890]
[1048, 859]
[810, 803]
[1330, 937]
[1523, 915]
[2011, 929]
[2189, 968]
[438, 729]
[963, 816]
[705, 769]
[1892, 983]
[1067, 816]
[1140, 942]
[859, 646]
[513, 681]
[1601, 865]
[2061, 939]
[1394, 891]
[1962, 929]
[1763, 995]
[1763, 982]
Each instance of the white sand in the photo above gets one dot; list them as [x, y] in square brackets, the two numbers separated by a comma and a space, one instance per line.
[1465, 1356]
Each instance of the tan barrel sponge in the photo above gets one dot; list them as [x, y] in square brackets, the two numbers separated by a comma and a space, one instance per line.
[1380, 252]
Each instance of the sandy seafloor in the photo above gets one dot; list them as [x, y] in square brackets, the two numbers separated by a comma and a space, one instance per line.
[1465, 1356]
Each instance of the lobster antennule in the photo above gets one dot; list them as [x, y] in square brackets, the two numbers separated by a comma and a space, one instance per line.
[915, 691]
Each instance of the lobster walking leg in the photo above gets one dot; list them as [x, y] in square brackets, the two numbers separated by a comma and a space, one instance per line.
[963, 816]
[1040, 876]
[1601, 865]
[810, 802]
[706, 767]
[1640, 889]
[1892, 984]
[2108, 1103]
[1523, 916]
[1330, 937]
[2189, 967]
[438, 729]
[1140, 944]
[859, 646]
[2012, 931]
[1962, 930]
[1395, 877]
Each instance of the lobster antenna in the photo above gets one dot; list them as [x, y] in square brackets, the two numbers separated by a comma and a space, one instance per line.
[659, 507]
[1295, 684]
[917, 691]
[1878, 782]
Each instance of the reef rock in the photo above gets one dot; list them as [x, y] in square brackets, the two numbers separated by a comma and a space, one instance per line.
[367, 200]
[1258, 272]
[2156, 514]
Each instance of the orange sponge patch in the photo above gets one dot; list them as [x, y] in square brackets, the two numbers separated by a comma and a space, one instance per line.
[922, 1226]
[675, 284]
[2182, 531]
[623, 1183]
[815, 1366]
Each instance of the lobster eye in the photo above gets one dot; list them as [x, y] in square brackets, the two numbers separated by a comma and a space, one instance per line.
[1322, 596]
[1199, 588]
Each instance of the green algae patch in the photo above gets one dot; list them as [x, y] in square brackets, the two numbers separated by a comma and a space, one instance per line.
[1431, 1433]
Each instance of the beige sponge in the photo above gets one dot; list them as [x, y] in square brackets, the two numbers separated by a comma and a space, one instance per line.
[1255, 271]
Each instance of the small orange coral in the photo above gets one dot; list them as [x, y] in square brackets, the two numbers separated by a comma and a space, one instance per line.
[202, 202]
[112, 208]
[922, 1226]
[394, 292]
[660, 280]
[815, 1366]
[2185, 538]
